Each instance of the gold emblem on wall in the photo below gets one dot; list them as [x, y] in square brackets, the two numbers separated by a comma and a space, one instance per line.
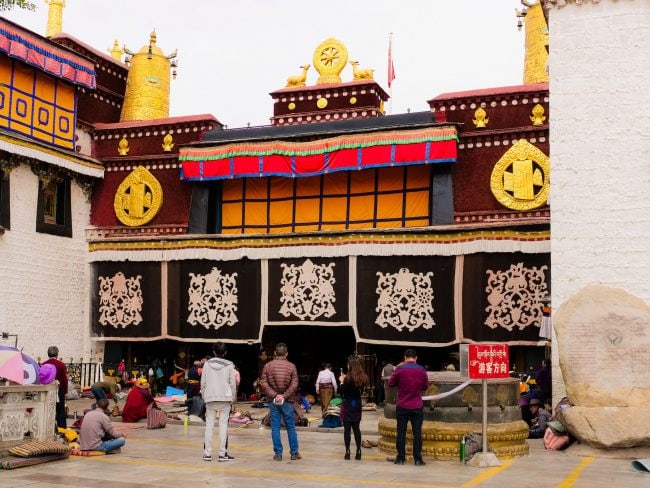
[123, 147]
[330, 57]
[138, 199]
[520, 179]
[321, 103]
[168, 143]
[537, 117]
[481, 120]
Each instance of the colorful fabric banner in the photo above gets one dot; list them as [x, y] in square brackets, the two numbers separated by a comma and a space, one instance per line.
[341, 153]
[39, 53]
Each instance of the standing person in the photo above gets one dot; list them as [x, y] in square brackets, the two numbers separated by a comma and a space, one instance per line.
[62, 378]
[352, 386]
[280, 383]
[219, 392]
[411, 381]
[97, 432]
[325, 386]
[543, 380]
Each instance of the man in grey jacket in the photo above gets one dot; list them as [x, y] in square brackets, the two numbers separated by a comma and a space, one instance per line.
[219, 391]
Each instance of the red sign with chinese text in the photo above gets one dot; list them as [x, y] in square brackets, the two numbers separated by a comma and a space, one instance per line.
[488, 361]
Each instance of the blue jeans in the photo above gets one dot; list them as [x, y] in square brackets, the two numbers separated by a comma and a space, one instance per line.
[416, 416]
[111, 444]
[98, 392]
[277, 412]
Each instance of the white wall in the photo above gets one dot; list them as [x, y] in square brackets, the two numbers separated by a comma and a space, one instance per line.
[44, 279]
[600, 147]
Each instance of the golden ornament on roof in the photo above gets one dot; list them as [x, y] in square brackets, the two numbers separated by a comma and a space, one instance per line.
[536, 52]
[330, 58]
[167, 144]
[138, 199]
[481, 120]
[520, 179]
[116, 51]
[123, 147]
[361, 74]
[538, 116]
[299, 80]
[54, 17]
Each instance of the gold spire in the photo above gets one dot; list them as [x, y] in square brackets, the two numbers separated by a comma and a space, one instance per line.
[147, 86]
[54, 17]
[536, 57]
[116, 51]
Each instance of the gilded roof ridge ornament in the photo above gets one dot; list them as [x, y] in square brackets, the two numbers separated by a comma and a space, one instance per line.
[361, 74]
[481, 119]
[54, 17]
[116, 51]
[536, 50]
[330, 58]
[299, 80]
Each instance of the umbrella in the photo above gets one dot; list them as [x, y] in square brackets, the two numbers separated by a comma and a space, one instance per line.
[28, 367]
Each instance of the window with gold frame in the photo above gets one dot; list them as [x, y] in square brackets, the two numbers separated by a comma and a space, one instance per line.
[375, 198]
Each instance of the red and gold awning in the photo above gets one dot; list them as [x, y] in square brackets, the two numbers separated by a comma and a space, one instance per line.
[341, 153]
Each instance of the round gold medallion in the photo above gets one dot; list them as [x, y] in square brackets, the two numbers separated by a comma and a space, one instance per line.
[138, 199]
[291, 106]
[353, 100]
[321, 103]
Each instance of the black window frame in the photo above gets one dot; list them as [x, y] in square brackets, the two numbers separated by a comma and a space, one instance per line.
[64, 211]
[5, 200]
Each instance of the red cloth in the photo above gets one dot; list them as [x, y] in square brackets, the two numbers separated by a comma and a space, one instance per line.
[61, 373]
[136, 404]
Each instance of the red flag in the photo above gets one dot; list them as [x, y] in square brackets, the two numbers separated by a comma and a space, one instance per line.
[391, 66]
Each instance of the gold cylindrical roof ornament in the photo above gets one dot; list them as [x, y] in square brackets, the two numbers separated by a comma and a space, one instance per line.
[147, 86]
[54, 17]
[536, 57]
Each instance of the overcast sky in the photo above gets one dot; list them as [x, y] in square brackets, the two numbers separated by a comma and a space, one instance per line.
[233, 53]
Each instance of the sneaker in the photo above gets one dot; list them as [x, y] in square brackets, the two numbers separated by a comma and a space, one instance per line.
[277, 457]
[419, 462]
[207, 458]
[398, 461]
[295, 456]
[225, 457]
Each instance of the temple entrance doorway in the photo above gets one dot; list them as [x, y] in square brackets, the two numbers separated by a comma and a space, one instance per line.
[309, 346]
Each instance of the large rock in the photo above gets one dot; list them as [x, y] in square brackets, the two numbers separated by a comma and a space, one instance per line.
[608, 428]
[603, 339]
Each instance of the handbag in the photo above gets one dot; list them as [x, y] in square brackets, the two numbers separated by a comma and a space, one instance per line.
[156, 418]
[555, 442]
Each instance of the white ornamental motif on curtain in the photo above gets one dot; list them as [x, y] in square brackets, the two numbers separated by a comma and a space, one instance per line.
[307, 291]
[405, 300]
[120, 300]
[515, 297]
[213, 299]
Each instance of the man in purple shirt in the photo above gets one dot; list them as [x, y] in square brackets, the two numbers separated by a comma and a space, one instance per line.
[411, 381]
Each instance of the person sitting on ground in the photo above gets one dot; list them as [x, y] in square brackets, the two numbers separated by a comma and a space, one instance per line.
[97, 432]
[101, 388]
[540, 418]
[137, 402]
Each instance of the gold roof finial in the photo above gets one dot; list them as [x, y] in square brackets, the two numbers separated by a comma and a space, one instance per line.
[330, 57]
[147, 86]
[536, 56]
[54, 17]
[116, 51]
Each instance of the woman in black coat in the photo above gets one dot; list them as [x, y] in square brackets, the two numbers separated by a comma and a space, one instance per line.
[352, 385]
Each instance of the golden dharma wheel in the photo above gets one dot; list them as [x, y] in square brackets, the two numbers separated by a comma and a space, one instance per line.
[330, 58]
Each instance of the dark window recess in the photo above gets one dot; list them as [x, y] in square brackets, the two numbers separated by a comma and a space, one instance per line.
[54, 210]
[5, 220]
[205, 209]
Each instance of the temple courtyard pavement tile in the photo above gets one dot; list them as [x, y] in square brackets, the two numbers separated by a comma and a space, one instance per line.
[171, 458]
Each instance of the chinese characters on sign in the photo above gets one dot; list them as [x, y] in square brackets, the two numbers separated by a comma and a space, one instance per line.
[488, 361]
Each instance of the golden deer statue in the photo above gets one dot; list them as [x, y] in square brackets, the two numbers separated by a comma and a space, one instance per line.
[361, 74]
[299, 80]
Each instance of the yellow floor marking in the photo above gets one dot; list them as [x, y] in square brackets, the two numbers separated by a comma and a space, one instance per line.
[573, 476]
[487, 474]
[252, 473]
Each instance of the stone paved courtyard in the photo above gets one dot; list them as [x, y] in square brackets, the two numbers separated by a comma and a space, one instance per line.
[171, 457]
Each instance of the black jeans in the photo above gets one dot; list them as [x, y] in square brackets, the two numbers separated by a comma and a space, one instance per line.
[60, 411]
[415, 416]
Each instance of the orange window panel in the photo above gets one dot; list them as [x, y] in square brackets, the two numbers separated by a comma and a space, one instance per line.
[256, 188]
[281, 230]
[306, 227]
[5, 107]
[418, 177]
[255, 213]
[308, 186]
[21, 107]
[281, 188]
[389, 206]
[417, 223]
[417, 204]
[6, 67]
[232, 189]
[389, 224]
[65, 96]
[231, 214]
[362, 208]
[334, 209]
[360, 225]
[23, 79]
[391, 179]
[307, 210]
[333, 227]
[336, 184]
[281, 212]
[45, 87]
[43, 117]
[362, 181]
